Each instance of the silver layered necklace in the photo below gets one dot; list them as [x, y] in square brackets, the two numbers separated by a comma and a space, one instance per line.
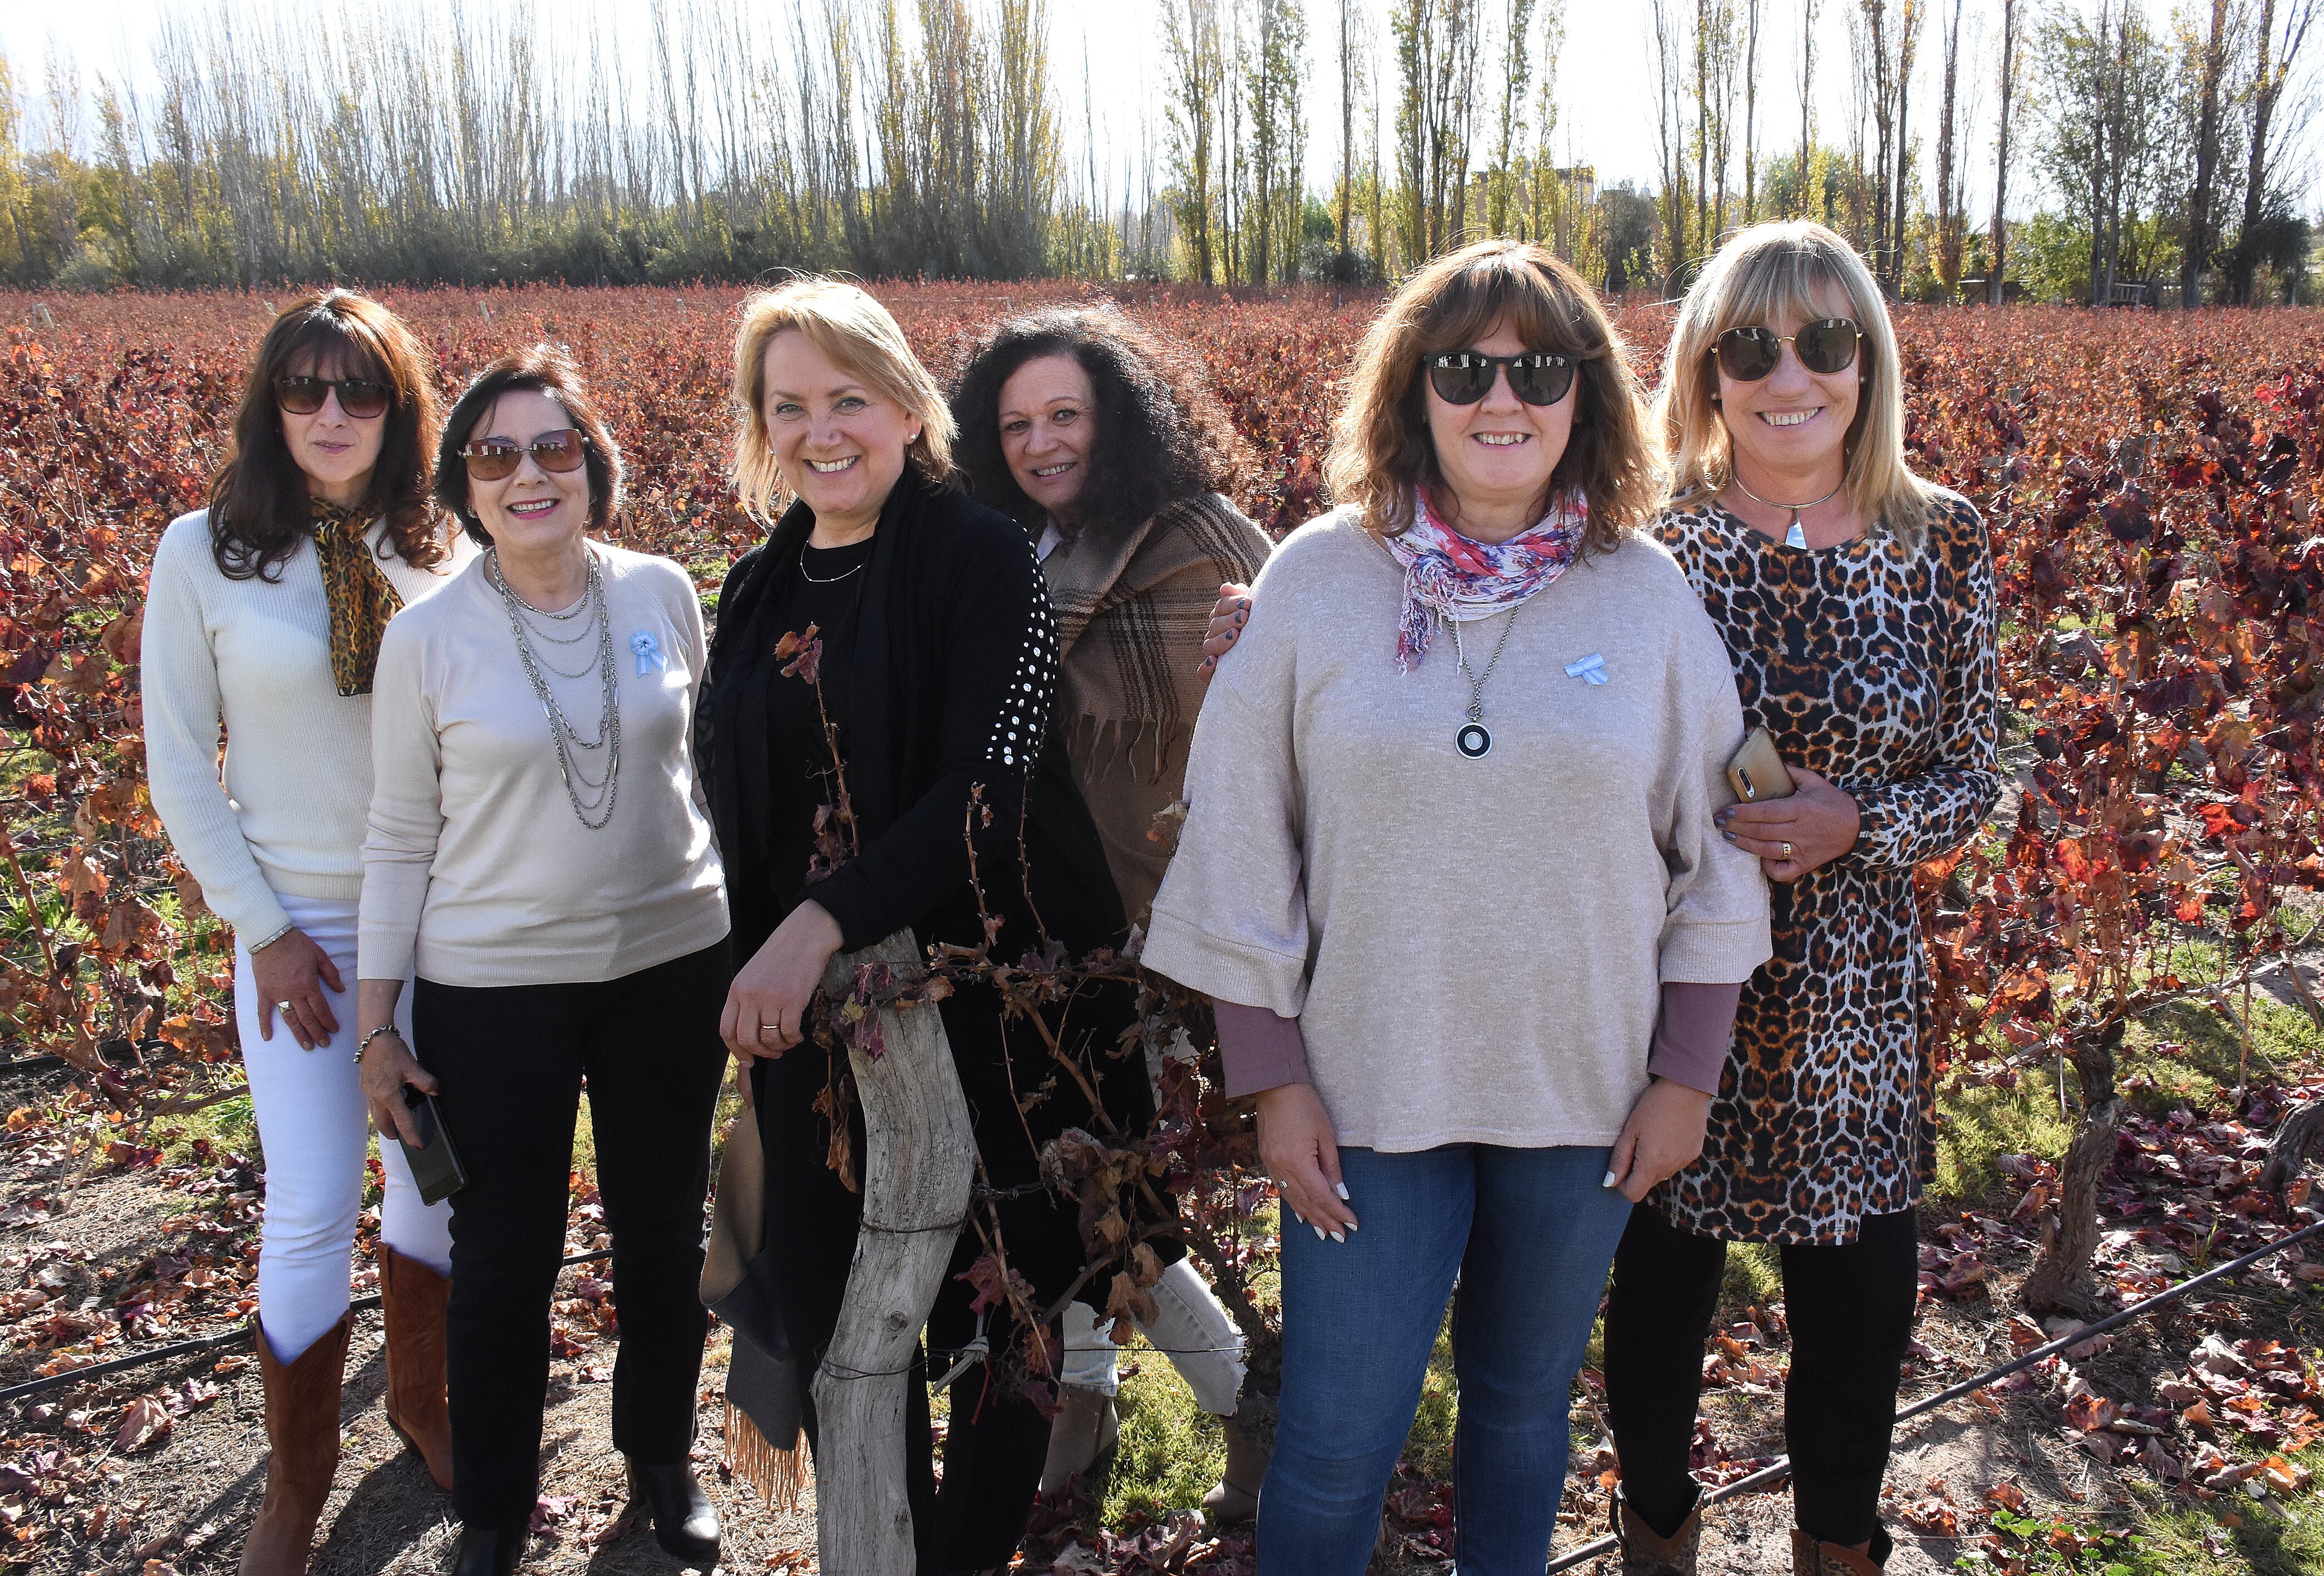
[588, 799]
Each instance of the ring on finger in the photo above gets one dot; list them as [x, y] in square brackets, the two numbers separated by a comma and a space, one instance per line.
[1787, 850]
[283, 1007]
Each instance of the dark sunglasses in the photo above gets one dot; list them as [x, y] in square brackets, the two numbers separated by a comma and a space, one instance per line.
[360, 398]
[1826, 345]
[492, 459]
[1463, 377]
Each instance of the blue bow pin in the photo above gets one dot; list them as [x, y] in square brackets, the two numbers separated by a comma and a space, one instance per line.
[1591, 669]
[649, 653]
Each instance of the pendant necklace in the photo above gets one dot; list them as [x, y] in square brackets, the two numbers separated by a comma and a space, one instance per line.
[1474, 741]
[1794, 537]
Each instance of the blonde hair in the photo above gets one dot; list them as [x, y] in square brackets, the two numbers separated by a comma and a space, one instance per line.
[1380, 448]
[1759, 274]
[857, 333]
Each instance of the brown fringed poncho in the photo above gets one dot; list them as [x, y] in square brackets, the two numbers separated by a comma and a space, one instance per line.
[1132, 609]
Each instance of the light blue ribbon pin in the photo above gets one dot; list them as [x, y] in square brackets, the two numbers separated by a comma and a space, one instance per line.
[1591, 669]
[649, 653]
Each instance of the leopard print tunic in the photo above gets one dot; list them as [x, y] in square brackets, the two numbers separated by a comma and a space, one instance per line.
[1877, 669]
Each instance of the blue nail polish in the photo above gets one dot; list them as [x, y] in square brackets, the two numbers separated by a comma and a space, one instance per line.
[1728, 836]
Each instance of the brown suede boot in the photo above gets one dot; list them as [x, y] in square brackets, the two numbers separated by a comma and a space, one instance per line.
[411, 1301]
[302, 1433]
[1235, 1498]
[1811, 1558]
[1647, 1553]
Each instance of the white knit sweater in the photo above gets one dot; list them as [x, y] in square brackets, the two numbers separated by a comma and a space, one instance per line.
[288, 813]
[477, 871]
[1474, 949]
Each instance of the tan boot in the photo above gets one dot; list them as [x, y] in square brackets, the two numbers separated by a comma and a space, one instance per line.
[1086, 1427]
[1811, 1558]
[302, 1433]
[411, 1301]
[1236, 1497]
[1647, 1553]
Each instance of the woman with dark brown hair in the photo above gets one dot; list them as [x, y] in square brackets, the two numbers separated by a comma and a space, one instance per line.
[265, 617]
[558, 902]
[1473, 934]
[1106, 443]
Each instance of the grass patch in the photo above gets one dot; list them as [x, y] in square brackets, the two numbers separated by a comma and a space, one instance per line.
[1171, 1452]
[231, 1125]
[2231, 1538]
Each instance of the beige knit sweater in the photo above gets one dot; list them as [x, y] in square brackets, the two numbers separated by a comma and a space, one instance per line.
[1474, 948]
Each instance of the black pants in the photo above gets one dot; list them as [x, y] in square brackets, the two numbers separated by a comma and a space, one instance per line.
[1851, 1309]
[511, 1060]
[996, 1441]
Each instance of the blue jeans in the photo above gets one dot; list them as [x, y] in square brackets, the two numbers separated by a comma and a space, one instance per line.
[1529, 1235]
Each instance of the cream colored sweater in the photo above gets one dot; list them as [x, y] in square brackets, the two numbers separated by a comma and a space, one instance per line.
[477, 872]
[287, 814]
[1474, 949]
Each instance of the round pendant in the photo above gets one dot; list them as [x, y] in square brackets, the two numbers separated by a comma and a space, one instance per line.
[1473, 742]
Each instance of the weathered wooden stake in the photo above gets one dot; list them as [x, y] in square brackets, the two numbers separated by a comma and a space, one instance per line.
[919, 1156]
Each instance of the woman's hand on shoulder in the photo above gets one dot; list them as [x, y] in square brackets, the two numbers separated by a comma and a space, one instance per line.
[767, 1004]
[1662, 1138]
[1302, 1152]
[291, 972]
[1792, 836]
[1227, 619]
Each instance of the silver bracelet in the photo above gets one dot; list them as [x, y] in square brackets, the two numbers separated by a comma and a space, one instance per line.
[363, 1043]
[269, 941]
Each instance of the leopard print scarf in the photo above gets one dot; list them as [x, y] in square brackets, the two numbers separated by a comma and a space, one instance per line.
[361, 597]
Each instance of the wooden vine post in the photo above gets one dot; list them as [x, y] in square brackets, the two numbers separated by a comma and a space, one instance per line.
[916, 1166]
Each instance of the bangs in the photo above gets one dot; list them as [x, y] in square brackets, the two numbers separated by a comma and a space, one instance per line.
[1784, 275]
[339, 348]
[1501, 287]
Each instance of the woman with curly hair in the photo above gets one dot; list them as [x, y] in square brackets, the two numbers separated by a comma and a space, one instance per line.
[1106, 443]
[1452, 873]
[263, 619]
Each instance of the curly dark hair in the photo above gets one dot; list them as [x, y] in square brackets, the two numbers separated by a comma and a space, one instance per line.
[1162, 434]
[259, 512]
[551, 370]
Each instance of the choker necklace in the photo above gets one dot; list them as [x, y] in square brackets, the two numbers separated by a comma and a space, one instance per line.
[1474, 740]
[833, 579]
[1794, 537]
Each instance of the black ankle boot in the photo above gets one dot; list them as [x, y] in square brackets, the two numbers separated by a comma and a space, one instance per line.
[685, 1522]
[489, 1551]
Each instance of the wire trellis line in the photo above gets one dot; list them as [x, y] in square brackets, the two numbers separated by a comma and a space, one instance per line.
[238, 1336]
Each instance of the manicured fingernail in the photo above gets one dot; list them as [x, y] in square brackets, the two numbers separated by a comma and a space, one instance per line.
[1728, 836]
[1340, 1236]
[1298, 1217]
[1319, 1233]
[1609, 1182]
[1341, 1189]
[1245, 605]
[1351, 1225]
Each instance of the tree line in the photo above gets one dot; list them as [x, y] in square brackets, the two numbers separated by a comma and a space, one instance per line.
[945, 138]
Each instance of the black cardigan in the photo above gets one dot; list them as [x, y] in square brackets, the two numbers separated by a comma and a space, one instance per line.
[952, 670]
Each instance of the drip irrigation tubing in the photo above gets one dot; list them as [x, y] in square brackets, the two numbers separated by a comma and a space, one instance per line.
[237, 1336]
[1781, 1467]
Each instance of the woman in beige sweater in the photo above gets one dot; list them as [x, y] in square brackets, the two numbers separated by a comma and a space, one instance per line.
[1451, 872]
[538, 858]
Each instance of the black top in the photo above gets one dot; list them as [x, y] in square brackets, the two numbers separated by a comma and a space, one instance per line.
[941, 659]
[795, 768]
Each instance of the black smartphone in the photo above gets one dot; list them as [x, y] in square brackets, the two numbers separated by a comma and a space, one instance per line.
[434, 1166]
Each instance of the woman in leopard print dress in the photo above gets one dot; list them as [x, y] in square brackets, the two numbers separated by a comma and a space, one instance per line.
[1857, 602]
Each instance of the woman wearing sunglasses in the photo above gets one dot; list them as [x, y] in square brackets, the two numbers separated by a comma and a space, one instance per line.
[1107, 445]
[1451, 875]
[264, 616]
[538, 856]
[1857, 603]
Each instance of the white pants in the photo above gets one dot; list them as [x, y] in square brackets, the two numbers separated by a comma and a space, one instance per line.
[1190, 1327]
[315, 1131]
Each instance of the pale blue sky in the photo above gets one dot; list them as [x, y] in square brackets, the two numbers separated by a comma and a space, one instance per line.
[1604, 78]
